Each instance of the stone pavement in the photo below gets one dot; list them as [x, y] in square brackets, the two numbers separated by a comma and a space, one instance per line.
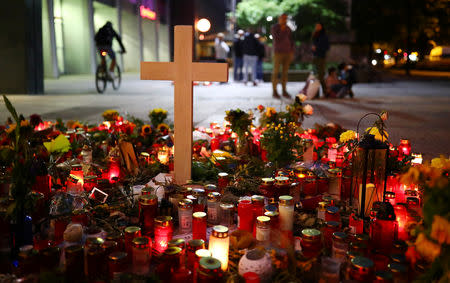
[418, 110]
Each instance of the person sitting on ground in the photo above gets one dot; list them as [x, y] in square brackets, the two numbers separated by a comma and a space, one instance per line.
[103, 39]
[347, 74]
[334, 86]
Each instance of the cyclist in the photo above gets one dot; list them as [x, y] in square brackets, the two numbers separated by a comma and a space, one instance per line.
[103, 39]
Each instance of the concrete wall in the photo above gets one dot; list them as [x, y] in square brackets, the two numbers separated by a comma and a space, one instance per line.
[130, 37]
[77, 38]
[149, 37]
[21, 47]
[164, 43]
[46, 42]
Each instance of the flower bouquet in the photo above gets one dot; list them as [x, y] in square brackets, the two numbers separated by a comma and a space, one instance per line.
[157, 116]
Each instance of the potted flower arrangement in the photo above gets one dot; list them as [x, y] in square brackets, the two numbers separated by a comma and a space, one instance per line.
[240, 124]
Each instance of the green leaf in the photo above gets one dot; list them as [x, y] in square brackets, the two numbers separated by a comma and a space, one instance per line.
[11, 109]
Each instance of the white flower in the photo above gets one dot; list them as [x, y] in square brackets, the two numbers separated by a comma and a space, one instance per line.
[308, 109]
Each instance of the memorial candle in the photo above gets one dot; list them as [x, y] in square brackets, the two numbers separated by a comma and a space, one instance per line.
[163, 232]
[199, 225]
[286, 208]
[219, 243]
[245, 215]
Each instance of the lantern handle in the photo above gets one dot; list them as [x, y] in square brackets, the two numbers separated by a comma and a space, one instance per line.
[370, 113]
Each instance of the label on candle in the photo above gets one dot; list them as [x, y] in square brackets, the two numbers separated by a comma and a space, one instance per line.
[186, 222]
[262, 234]
[212, 213]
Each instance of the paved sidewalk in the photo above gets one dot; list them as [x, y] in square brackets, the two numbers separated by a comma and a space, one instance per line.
[419, 110]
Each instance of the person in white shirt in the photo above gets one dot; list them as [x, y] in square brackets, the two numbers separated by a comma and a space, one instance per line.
[221, 48]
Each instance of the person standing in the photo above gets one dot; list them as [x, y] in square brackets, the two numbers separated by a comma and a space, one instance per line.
[261, 55]
[238, 61]
[250, 51]
[319, 48]
[283, 48]
[221, 48]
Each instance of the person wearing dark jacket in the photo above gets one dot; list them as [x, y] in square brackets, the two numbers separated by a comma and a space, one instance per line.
[250, 51]
[261, 55]
[319, 48]
[237, 48]
[104, 39]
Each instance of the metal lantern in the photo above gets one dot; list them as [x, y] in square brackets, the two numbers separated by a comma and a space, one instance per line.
[369, 171]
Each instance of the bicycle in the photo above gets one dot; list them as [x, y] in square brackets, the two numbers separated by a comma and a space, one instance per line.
[102, 74]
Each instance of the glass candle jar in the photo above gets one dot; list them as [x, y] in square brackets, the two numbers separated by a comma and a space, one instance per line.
[141, 255]
[200, 194]
[399, 272]
[174, 199]
[245, 215]
[227, 214]
[199, 225]
[362, 269]
[286, 208]
[332, 214]
[219, 243]
[328, 230]
[335, 181]
[339, 246]
[322, 184]
[222, 181]
[209, 270]
[148, 209]
[194, 200]
[95, 259]
[130, 233]
[311, 242]
[163, 232]
[274, 226]
[180, 243]
[263, 230]
[74, 263]
[117, 264]
[267, 187]
[185, 216]
[193, 246]
[213, 207]
[74, 184]
[118, 238]
[178, 272]
[209, 188]
[383, 233]
[309, 186]
[321, 209]
[282, 186]
[258, 209]
[89, 183]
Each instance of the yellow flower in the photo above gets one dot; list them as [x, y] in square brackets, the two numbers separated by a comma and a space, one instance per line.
[426, 248]
[11, 128]
[270, 111]
[440, 230]
[146, 130]
[110, 115]
[347, 136]
[24, 123]
[410, 177]
[374, 131]
[440, 162]
[162, 127]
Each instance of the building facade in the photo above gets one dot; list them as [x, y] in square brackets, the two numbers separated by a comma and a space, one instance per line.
[69, 27]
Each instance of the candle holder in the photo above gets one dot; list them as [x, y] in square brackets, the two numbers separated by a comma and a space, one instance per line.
[219, 243]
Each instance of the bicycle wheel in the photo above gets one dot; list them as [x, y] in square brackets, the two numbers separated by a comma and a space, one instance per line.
[100, 79]
[117, 78]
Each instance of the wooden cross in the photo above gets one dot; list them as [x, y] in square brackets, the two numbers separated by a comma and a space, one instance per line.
[183, 72]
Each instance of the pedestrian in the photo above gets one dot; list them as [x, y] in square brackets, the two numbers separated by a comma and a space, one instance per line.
[238, 61]
[335, 88]
[221, 48]
[250, 51]
[283, 48]
[319, 48]
[261, 55]
[347, 75]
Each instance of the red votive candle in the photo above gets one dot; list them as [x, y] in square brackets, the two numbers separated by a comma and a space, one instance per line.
[245, 215]
[199, 225]
[163, 232]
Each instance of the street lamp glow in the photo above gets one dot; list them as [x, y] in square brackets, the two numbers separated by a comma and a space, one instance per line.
[374, 62]
[378, 51]
[203, 25]
[270, 36]
[413, 56]
[269, 18]
[387, 57]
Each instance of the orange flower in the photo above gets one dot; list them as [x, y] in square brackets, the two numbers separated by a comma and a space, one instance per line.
[261, 108]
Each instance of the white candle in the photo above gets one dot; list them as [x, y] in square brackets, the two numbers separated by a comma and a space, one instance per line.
[219, 244]
[286, 208]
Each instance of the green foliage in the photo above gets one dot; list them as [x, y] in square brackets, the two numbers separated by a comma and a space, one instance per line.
[240, 121]
[204, 172]
[305, 13]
